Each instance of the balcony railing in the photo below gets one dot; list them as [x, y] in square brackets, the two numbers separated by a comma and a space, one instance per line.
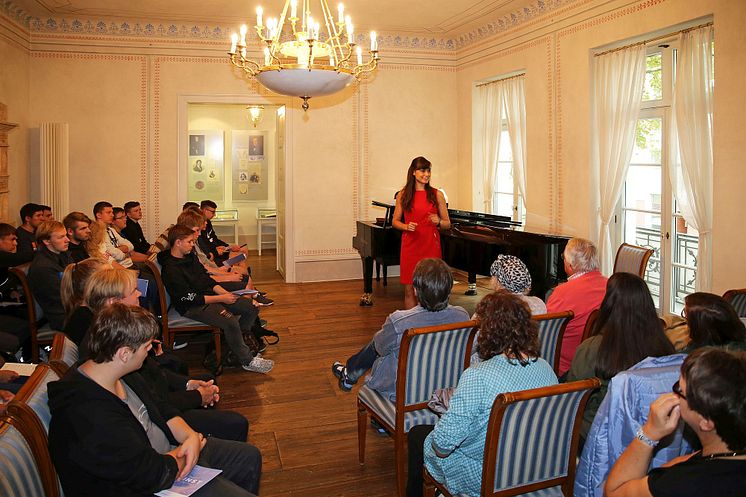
[684, 258]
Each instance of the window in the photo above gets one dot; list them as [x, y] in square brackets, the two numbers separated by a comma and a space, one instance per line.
[647, 211]
[506, 197]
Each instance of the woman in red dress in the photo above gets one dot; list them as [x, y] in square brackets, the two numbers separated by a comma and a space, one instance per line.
[420, 212]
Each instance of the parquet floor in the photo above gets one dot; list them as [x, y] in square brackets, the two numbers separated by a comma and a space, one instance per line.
[303, 424]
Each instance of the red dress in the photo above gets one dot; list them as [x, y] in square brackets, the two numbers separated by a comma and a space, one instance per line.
[421, 243]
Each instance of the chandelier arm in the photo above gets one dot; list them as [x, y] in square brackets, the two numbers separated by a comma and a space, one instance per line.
[367, 67]
[245, 64]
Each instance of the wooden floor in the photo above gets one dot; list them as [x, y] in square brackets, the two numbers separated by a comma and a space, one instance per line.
[303, 424]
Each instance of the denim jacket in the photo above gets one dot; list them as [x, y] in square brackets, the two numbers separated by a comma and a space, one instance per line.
[621, 413]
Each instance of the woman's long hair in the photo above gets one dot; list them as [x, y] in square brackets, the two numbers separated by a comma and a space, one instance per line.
[74, 280]
[93, 245]
[506, 327]
[712, 320]
[407, 193]
[630, 328]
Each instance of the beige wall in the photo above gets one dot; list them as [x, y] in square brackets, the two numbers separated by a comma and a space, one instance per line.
[14, 92]
[556, 57]
[124, 99]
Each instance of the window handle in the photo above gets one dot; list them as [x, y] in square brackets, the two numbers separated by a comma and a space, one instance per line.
[667, 235]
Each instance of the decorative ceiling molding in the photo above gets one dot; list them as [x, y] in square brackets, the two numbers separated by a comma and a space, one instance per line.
[160, 30]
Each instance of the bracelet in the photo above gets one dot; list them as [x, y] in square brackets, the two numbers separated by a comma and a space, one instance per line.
[640, 435]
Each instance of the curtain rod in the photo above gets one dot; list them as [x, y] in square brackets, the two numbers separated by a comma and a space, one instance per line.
[657, 38]
[500, 80]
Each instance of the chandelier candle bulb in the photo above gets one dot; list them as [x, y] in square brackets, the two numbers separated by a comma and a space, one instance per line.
[341, 12]
[234, 43]
[373, 41]
[243, 34]
[293, 9]
[267, 58]
[359, 56]
[243, 52]
[259, 13]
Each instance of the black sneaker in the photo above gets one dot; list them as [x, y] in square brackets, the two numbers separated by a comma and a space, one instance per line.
[262, 300]
[340, 371]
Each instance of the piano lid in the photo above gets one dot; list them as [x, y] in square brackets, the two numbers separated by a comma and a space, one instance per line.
[481, 219]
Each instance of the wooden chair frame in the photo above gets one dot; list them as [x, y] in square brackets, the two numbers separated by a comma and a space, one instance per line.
[492, 442]
[170, 331]
[20, 273]
[28, 423]
[588, 330]
[400, 437]
[643, 263]
[730, 294]
[568, 315]
[56, 358]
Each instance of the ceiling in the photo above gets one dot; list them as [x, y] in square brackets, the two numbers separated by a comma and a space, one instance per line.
[446, 18]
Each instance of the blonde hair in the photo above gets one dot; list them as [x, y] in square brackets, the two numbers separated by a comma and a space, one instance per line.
[74, 279]
[107, 284]
[93, 245]
[582, 255]
[191, 218]
[44, 230]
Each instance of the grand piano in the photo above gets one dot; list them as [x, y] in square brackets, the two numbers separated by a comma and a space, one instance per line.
[471, 245]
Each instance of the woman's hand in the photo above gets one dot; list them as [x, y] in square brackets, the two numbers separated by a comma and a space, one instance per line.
[435, 219]
[411, 226]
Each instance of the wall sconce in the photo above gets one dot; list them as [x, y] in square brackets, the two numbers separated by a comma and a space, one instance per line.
[255, 114]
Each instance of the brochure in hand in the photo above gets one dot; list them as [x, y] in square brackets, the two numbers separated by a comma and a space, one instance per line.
[235, 260]
[244, 291]
[196, 479]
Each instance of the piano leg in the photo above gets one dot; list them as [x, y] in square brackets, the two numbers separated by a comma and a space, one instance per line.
[367, 297]
[472, 289]
[378, 271]
[385, 281]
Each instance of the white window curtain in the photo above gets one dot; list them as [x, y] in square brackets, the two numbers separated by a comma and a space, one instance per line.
[489, 112]
[515, 112]
[618, 82]
[691, 171]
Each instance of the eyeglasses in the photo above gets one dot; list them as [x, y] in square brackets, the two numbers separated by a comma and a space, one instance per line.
[676, 388]
[683, 312]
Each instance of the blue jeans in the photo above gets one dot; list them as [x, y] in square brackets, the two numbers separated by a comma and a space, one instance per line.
[361, 362]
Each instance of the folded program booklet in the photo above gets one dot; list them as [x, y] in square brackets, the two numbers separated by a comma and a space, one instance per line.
[235, 260]
[23, 369]
[244, 291]
[196, 479]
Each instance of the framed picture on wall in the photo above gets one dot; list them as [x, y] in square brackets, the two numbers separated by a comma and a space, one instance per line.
[205, 166]
[250, 166]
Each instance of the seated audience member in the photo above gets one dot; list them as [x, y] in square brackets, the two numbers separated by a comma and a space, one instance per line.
[710, 397]
[47, 211]
[32, 215]
[626, 331]
[712, 321]
[432, 281]
[581, 294]
[197, 296]
[46, 270]
[107, 286]
[108, 436]
[78, 227]
[508, 344]
[132, 230]
[72, 291]
[219, 249]
[115, 245]
[510, 273]
[96, 247]
[14, 328]
[189, 205]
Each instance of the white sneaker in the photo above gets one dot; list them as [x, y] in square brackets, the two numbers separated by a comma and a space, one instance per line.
[259, 365]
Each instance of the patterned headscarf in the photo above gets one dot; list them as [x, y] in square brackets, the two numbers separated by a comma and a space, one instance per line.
[511, 273]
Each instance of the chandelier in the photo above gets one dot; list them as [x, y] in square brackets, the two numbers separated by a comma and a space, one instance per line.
[305, 60]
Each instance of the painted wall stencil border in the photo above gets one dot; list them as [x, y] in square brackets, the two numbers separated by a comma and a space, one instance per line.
[143, 91]
[562, 34]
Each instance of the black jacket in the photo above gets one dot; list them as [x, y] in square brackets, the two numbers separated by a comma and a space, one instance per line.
[26, 242]
[186, 280]
[209, 242]
[8, 282]
[44, 277]
[77, 252]
[133, 233]
[98, 447]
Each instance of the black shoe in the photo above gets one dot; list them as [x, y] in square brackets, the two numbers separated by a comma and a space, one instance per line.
[262, 300]
[340, 371]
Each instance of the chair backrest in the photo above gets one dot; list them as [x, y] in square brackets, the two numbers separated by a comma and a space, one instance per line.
[64, 353]
[551, 332]
[532, 438]
[632, 259]
[588, 330]
[34, 310]
[430, 358]
[20, 475]
[163, 298]
[737, 299]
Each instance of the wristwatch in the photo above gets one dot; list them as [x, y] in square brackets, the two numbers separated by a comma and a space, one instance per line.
[640, 435]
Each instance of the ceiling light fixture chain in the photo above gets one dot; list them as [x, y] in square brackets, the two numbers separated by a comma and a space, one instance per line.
[303, 64]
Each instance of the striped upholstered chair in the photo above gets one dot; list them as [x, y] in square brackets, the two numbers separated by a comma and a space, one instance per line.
[429, 358]
[737, 299]
[23, 471]
[632, 259]
[551, 333]
[64, 353]
[40, 335]
[532, 442]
